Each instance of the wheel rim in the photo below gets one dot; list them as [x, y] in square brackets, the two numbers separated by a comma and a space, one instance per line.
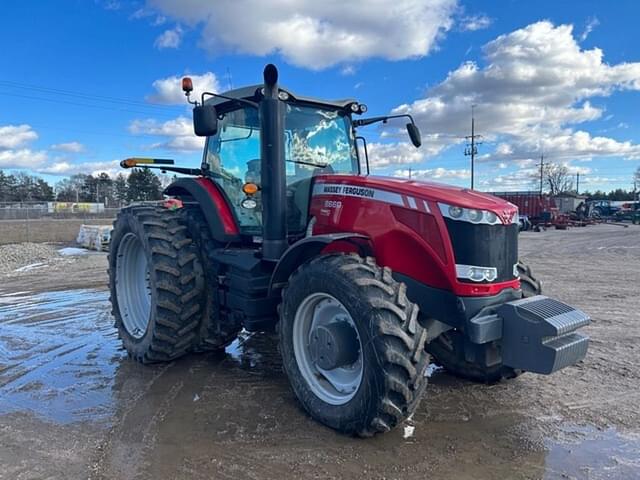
[338, 385]
[133, 289]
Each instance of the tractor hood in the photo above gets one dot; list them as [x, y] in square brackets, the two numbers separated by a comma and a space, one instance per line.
[437, 192]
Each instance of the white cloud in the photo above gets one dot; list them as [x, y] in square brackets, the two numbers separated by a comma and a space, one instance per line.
[178, 133]
[65, 168]
[169, 89]
[143, 13]
[110, 4]
[13, 136]
[348, 70]
[537, 83]
[314, 34]
[22, 158]
[472, 23]
[13, 147]
[566, 145]
[524, 179]
[438, 173]
[169, 38]
[70, 147]
[385, 154]
[592, 23]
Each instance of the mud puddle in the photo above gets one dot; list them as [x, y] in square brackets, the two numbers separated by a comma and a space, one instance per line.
[586, 452]
[58, 354]
[70, 396]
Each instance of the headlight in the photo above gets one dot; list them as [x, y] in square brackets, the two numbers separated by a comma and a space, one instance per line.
[455, 212]
[249, 203]
[476, 274]
[472, 215]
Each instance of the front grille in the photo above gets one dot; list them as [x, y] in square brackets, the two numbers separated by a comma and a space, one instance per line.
[485, 246]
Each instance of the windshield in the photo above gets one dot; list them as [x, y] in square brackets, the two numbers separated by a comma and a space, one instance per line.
[316, 141]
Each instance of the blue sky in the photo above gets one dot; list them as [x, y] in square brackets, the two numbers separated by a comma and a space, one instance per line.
[77, 89]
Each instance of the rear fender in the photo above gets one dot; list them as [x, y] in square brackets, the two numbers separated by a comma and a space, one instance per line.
[309, 247]
[212, 202]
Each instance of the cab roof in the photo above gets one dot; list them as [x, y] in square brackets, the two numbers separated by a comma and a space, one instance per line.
[253, 91]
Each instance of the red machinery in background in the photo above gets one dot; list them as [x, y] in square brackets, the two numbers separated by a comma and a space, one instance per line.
[535, 209]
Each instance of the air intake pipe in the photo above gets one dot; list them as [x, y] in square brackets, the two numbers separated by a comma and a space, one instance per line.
[273, 185]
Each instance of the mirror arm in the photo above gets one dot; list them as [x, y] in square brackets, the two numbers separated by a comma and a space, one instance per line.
[239, 100]
[165, 168]
[368, 121]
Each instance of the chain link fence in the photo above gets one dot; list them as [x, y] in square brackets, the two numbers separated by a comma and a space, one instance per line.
[49, 221]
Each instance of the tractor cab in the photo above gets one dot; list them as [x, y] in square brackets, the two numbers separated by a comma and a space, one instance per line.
[318, 139]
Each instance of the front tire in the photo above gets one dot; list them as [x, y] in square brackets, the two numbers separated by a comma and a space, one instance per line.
[156, 284]
[376, 379]
[448, 348]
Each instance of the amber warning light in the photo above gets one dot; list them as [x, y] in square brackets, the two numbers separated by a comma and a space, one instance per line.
[187, 85]
[250, 188]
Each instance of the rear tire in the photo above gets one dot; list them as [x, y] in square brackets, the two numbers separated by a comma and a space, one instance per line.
[156, 284]
[448, 348]
[391, 343]
[217, 330]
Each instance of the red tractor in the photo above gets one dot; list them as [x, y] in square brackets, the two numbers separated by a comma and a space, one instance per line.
[362, 276]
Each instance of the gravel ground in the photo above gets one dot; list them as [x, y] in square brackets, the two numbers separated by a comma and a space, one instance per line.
[19, 255]
[72, 405]
[41, 266]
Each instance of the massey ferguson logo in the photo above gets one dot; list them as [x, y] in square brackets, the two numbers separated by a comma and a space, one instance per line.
[349, 190]
[508, 215]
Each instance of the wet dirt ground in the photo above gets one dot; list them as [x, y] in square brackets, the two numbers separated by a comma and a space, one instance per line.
[72, 405]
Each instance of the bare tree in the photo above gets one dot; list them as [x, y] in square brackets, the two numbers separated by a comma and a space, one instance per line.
[558, 179]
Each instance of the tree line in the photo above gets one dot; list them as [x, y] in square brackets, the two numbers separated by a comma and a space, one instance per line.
[141, 184]
[558, 180]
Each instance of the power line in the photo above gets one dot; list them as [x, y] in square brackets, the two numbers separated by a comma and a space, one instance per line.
[72, 131]
[86, 105]
[86, 96]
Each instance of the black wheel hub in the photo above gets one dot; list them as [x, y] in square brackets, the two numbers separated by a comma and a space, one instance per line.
[334, 345]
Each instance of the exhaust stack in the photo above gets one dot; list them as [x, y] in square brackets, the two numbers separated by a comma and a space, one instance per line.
[274, 189]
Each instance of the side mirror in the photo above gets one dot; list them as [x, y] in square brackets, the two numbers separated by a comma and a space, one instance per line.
[414, 134]
[205, 120]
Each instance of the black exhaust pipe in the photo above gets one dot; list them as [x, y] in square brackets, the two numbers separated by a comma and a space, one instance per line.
[274, 187]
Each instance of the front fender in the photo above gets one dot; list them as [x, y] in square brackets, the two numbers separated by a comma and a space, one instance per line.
[303, 250]
[212, 202]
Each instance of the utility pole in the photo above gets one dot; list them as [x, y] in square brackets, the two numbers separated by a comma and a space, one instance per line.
[541, 172]
[472, 144]
[409, 173]
[577, 183]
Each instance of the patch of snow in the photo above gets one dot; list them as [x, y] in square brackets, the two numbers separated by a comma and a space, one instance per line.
[408, 431]
[71, 251]
[431, 369]
[30, 267]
